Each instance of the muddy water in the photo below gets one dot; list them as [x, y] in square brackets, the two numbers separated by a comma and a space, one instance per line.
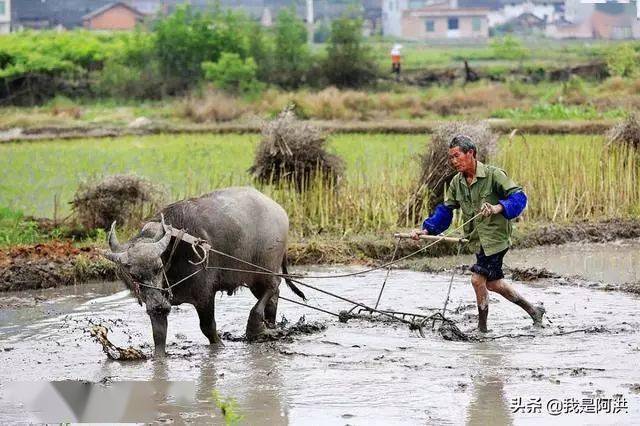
[354, 373]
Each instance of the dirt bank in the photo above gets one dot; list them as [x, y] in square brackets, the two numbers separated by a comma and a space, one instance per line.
[51, 264]
[590, 127]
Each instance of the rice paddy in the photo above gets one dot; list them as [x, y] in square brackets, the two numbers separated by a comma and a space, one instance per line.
[567, 178]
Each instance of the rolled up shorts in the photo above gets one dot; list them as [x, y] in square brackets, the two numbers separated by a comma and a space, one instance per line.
[489, 266]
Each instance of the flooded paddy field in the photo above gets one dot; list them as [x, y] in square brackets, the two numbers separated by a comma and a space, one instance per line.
[358, 372]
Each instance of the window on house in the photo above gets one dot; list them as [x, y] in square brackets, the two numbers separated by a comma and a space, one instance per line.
[476, 24]
[429, 26]
[3, 7]
[452, 23]
[416, 4]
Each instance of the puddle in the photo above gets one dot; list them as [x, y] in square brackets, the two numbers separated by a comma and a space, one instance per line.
[355, 373]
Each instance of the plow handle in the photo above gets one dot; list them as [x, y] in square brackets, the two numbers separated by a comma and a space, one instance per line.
[434, 238]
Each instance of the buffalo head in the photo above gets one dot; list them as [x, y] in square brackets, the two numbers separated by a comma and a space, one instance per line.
[140, 263]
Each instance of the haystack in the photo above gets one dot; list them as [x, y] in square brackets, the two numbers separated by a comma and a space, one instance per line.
[125, 198]
[436, 170]
[294, 151]
[626, 132]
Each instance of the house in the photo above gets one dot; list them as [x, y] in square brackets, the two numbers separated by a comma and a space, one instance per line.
[5, 16]
[113, 16]
[434, 20]
[41, 14]
[614, 21]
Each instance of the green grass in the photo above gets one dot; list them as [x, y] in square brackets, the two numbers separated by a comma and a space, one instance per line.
[567, 178]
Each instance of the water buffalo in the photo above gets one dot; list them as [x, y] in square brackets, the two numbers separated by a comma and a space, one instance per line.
[241, 222]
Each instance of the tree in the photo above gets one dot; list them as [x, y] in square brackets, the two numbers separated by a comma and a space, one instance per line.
[349, 62]
[292, 57]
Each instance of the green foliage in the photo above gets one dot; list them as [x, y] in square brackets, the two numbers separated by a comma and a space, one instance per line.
[187, 38]
[349, 62]
[229, 409]
[233, 74]
[133, 71]
[322, 32]
[291, 55]
[15, 230]
[509, 47]
[623, 60]
[261, 49]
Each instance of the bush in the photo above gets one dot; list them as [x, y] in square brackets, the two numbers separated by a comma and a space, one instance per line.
[124, 198]
[509, 48]
[349, 62]
[212, 106]
[623, 60]
[233, 74]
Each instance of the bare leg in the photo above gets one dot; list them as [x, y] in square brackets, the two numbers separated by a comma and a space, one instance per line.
[206, 313]
[479, 283]
[508, 292]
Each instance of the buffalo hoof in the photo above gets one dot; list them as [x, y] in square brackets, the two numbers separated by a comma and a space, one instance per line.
[265, 335]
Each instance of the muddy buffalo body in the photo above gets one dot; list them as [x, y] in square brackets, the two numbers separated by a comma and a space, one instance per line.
[241, 222]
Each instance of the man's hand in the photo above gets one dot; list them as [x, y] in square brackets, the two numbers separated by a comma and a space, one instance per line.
[489, 209]
[415, 233]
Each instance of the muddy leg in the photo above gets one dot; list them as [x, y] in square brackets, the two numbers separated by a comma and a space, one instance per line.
[159, 328]
[508, 292]
[479, 283]
[271, 310]
[256, 323]
[206, 313]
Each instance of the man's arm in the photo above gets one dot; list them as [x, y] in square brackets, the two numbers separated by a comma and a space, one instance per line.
[514, 205]
[439, 221]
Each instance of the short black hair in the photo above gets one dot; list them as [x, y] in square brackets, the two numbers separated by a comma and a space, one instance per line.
[463, 142]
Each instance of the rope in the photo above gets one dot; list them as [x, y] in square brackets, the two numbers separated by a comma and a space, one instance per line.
[386, 277]
[351, 274]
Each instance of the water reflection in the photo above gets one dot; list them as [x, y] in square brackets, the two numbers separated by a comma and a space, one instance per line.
[489, 405]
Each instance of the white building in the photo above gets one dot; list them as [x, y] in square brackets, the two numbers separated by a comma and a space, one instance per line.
[5, 16]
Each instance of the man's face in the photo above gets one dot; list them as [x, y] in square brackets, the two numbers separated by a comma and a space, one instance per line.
[461, 161]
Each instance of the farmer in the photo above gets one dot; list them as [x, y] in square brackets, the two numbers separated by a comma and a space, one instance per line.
[395, 59]
[486, 190]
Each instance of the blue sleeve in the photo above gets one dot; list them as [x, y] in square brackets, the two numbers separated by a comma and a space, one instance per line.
[439, 221]
[514, 204]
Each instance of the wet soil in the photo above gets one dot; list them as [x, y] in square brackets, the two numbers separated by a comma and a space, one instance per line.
[359, 372]
[51, 264]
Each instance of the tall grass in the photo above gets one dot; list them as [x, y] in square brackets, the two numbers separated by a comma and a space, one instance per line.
[567, 178]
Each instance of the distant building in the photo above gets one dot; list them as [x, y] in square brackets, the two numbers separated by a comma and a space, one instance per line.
[5, 16]
[113, 16]
[606, 21]
[434, 20]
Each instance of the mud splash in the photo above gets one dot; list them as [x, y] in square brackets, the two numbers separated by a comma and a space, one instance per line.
[359, 372]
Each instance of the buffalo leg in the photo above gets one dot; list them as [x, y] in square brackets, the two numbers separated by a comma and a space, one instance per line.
[256, 323]
[206, 313]
[271, 310]
[159, 328]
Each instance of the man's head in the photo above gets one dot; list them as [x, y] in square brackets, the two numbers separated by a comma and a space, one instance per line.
[462, 153]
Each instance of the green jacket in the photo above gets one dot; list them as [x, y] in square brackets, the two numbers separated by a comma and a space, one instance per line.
[490, 185]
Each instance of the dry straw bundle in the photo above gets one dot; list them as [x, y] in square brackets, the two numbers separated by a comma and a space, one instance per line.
[436, 170]
[124, 198]
[294, 151]
[626, 132]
